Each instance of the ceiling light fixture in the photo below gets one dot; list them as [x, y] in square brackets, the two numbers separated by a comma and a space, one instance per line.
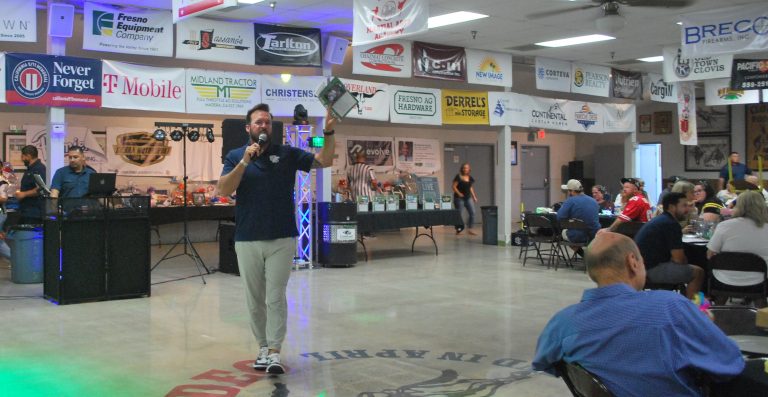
[285, 77]
[249, 1]
[453, 18]
[658, 58]
[592, 38]
[610, 23]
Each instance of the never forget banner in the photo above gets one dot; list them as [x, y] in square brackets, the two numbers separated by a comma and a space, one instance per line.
[626, 84]
[48, 80]
[508, 108]
[660, 90]
[585, 117]
[282, 97]
[728, 30]
[392, 59]
[465, 107]
[127, 31]
[719, 92]
[284, 46]
[590, 79]
[217, 92]
[489, 68]
[216, 41]
[415, 105]
[553, 75]
[619, 117]
[18, 21]
[679, 67]
[377, 20]
[548, 113]
[129, 86]
[435, 61]
[372, 99]
[749, 74]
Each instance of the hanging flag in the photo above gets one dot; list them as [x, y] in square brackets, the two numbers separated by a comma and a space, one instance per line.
[679, 67]
[727, 30]
[686, 113]
[442, 62]
[719, 92]
[376, 20]
[626, 84]
[553, 74]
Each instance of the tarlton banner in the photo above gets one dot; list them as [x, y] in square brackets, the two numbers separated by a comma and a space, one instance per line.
[415, 105]
[217, 92]
[378, 151]
[727, 30]
[381, 20]
[133, 151]
[282, 97]
[129, 86]
[660, 90]
[585, 117]
[590, 79]
[750, 74]
[435, 61]
[686, 113]
[216, 41]
[548, 113]
[284, 46]
[719, 92]
[418, 156]
[489, 68]
[392, 59]
[508, 108]
[48, 80]
[18, 21]
[195, 8]
[679, 67]
[626, 84]
[553, 75]
[465, 107]
[372, 99]
[127, 31]
[620, 117]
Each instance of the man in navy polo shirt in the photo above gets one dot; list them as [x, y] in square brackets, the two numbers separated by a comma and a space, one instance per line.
[739, 170]
[263, 174]
[30, 203]
[72, 181]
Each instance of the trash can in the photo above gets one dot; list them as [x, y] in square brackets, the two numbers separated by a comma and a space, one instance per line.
[26, 242]
[490, 224]
[337, 234]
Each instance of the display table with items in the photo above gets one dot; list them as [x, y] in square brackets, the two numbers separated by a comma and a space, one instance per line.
[174, 214]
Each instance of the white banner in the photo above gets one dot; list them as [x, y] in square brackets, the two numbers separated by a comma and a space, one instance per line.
[392, 58]
[620, 117]
[372, 100]
[129, 86]
[489, 68]
[548, 113]
[661, 90]
[728, 30]
[216, 41]
[765, 95]
[283, 97]
[553, 74]
[678, 67]
[95, 153]
[686, 113]
[418, 156]
[18, 21]
[585, 117]
[590, 79]
[189, 8]
[133, 151]
[377, 20]
[719, 92]
[508, 108]
[2, 77]
[415, 105]
[128, 31]
[217, 92]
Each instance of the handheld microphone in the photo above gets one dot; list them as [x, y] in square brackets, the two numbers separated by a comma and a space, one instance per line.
[263, 138]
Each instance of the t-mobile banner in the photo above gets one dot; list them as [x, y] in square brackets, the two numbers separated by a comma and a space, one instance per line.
[381, 20]
[392, 59]
[378, 152]
[284, 46]
[129, 86]
[415, 105]
[282, 97]
[217, 92]
[18, 21]
[372, 99]
[442, 62]
[137, 31]
[48, 80]
[216, 41]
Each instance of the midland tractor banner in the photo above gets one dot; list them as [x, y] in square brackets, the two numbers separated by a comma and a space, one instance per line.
[489, 68]
[392, 59]
[48, 80]
[415, 105]
[18, 21]
[216, 41]
[283, 96]
[382, 20]
[719, 92]
[284, 46]
[728, 30]
[129, 86]
[127, 31]
[372, 99]
[465, 107]
[680, 67]
[442, 62]
[217, 92]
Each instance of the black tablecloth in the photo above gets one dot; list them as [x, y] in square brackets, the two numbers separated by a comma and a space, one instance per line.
[368, 222]
[164, 215]
[753, 382]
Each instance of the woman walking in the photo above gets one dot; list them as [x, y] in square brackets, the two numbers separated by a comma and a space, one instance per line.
[464, 196]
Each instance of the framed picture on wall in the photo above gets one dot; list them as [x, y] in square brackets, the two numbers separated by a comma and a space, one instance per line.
[756, 134]
[644, 125]
[710, 154]
[662, 123]
[715, 119]
[13, 142]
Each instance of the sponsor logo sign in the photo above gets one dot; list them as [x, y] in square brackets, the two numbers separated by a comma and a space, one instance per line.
[507, 108]
[216, 41]
[626, 84]
[277, 45]
[686, 113]
[392, 58]
[750, 74]
[2, 77]
[413, 105]
[378, 152]
[489, 68]
[728, 30]
[679, 67]
[548, 113]
[134, 151]
[129, 86]
[441, 62]
[719, 92]
[372, 99]
[660, 90]
[190, 8]
[553, 75]
[590, 79]
[47, 80]
[585, 116]
[619, 117]
[283, 97]
[112, 29]
[217, 92]
[18, 21]
[465, 107]
[380, 20]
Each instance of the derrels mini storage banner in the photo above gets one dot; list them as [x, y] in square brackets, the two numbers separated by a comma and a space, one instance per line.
[435, 61]
[415, 105]
[489, 68]
[284, 46]
[372, 99]
[392, 59]
[217, 92]
[217, 41]
[127, 31]
[47, 80]
[282, 97]
[129, 86]
[465, 107]
[377, 20]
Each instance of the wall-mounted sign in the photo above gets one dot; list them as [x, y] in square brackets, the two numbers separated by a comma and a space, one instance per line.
[283, 96]
[392, 58]
[553, 74]
[112, 29]
[465, 107]
[47, 80]
[381, 20]
[18, 21]
[218, 92]
[129, 86]
[590, 79]
[215, 41]
[441, 62]
[489, 68]
[415, 105]
[280, 45]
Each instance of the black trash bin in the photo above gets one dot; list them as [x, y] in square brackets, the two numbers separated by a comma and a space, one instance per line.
[337, 234]
[490, 224]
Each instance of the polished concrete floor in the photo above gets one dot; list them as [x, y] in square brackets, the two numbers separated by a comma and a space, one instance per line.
[463, 323]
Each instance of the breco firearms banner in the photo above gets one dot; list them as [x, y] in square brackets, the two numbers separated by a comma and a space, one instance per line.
[129, 86]
[127, 31]
[216, 41]
[284, 46]
[435, 61]
[679, 67]
[48, 80]
[725, 31]
[381, 20]
[392, 59]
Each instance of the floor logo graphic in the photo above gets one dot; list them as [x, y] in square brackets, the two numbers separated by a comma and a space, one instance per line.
[103, 23]
[30, 79]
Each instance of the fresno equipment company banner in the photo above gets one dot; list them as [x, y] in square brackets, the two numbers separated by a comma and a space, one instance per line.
[435, 61]
[489, 68]
[415, 105]
[18, 21]
[392, 59]
[372, 99]
[216, 41]
[465, 107]
[376, 20]
[553, 75]
[728, 30]
[284, 46]
[48, 80]
[680, 67]
[217, 92]
[112, 29]
[129, 86]
[282, 97]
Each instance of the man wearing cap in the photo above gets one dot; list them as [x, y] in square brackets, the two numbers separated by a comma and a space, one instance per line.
[582, 207]
[637, 209]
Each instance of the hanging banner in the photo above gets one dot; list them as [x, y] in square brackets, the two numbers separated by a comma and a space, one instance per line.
[750, 74]
[548, 113]
[129, 86]
[378, 152]
[679, 67]
[194, 8]
[620, 117]
[284, 46]
[553, 75]
[719, 92]
[18, 21]
[377, 20]
[372, 100]
[415, 105]
[590, 79]
[686, 113]
[216, 41]
[133, 151]
[489, 68]
[418, 156]
[585, 117]
[626, 84]
[661, 90]
[217, 92]
[765, 95]
[2, 77]
[508, 108]
[392, 59]
[47, 80]
[435, 61]
[95, 154]
[728, 30]
[282, 97]
[465, 107]
[127, 31]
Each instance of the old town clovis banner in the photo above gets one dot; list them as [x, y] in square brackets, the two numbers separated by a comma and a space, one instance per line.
[216, 41]
[508, 108]
[465, 107]
[282, 97]
[18, 21]
[415, 105]
[489, 68]
[719, 92]
[129, 86]
[217, 92]
[679, 67]
[381, 20]
[392, 58]
[128, 31]
[372, 99]
[728, 30]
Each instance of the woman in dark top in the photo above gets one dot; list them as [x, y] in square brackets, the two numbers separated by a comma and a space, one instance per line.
[600, 194]
[464, 196]
[708, 205]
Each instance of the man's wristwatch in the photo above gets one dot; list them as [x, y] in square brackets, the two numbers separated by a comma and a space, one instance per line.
[329, 132]
[243, 163]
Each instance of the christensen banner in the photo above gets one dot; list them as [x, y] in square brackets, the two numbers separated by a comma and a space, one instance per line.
[728, 30]
[620, 117]
[18, 21]
[465, 107]
[283, 97]
[585, 117]
[719, 92]
[392, 59]
[372, 100]
[216, 41]
[129, 86]
[217, 92]
[626, 84]
[284, 46]
[590, 79]
[381, 20]
[678, 67]
[508, 108]
[47, 80]
[750, 74]
[112, 29]
[686, 113]
[435, 61]
[553, 75]
[415, 105]
[661, 90]
[489, 68]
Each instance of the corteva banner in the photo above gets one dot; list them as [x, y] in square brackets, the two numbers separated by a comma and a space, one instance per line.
[218, 92]
[465, 107]
[127, 31]
[129, 86]
[216, 41]
[48, 80]
[284, 46]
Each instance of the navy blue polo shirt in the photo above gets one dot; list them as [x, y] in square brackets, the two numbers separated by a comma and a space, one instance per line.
[265, 208]
[71, 184]
[738, 169]
[32, 206]
[657, 238]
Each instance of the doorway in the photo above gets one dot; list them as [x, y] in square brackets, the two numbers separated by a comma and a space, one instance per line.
[481, 159]
[648, 168]
[534, 167]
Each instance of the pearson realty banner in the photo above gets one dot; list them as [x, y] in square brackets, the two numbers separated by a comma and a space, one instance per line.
[679, 67]
[590, 79]
[216, 41]
[553, 75]
[18, 21]
[129, 86]
[489, 68]
[508, 108]
[725, 31]
[283, 97]
[284, 46]
[415, 105]
[392, 59]
[218, 92]
[134, 31]
[377, 20]
[435, 61]
[719, 92]
[465, 107]
[372, 99]
[47, 80]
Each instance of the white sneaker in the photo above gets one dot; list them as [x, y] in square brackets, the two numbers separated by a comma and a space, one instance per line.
[262, 361]
[274, 366]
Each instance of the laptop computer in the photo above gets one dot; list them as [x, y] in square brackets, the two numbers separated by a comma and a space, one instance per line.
[100, 184]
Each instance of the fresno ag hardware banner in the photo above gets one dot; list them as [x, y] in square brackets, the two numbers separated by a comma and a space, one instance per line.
[415, 105]
[112, 29]
[284, 46]
[48, 80]
[465, 107]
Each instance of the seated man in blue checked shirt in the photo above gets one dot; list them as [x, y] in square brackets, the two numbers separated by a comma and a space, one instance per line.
[650, 343]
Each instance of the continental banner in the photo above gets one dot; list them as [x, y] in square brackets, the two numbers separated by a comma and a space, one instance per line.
[48, 80]
[719, 92]
[415, 105]
[284, 46]
[217, 92]
[127, 31]
[282, 97]
[548, 113]
[129, 86]
[216, 41]
[372, 99]
[465, 107]
[442, 62]
[392, 59]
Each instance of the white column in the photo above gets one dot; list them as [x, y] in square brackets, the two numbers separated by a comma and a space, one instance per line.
[323, 181]
[630, 144]
[504, 184]
[56, 117]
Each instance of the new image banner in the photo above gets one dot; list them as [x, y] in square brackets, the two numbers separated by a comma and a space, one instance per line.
[750, 74]
[284, 46]
[129, 86]
[489, 68]
[377, 20]
[372, 99]
[590, 79]
[661, 90]
[2, 77]
[282, 97]
[392, 59]
[620, 117]
[465, 107]
[548, 113]
[133, 151]
[719, 92]
[127, 31]
[727, 30]
[626, 84]
[95, 155]
[686, 113]
[378, 152]
[585, 117]
[218, 92]
[680, 67]
[553, 75]
[435, 61]
[508, 108]
[18, 21]
[216, 41]
[194, 8]
[418, 156]
[415, 105]
[47, 80]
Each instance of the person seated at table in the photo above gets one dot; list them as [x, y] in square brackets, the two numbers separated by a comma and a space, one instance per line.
[638, 208]
[747, 231]
[582, 207]
[668, 184]
[650, 343]
[707, 204]
[600, 194]
[661, 244]
[687, 189]
[754, 181]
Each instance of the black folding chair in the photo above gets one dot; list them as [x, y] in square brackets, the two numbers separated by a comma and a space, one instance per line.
[575, 224]
[740, 262]
[541, 230]
[629, 229]
[581, 382]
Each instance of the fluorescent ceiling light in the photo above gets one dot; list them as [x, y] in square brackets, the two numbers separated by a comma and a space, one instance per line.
[652, 59]
[249, 1]
[592, 38]
[679, 23]
[452, 18]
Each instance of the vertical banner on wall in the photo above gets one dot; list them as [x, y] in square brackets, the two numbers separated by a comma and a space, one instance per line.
[418, 156]
[626, 84]
[442, 62]
[719, 92]
[465, 107]
[680, 67]
[48, 80]
[282, 97]
[548, 113]
[284, 46]
[553, 75]
[372, 99]
[620, 117]
[489, 68]
[217, 92]
[136, 31]
[585, 117]
[661, 90]
[590, 79]
[195, 8]
[133, 151]
[392, 59]
[376, 20]
[508, 108]
[686, 113]
[18, 21]
[129, 86]
[415, 105]
[216, 41]
[378, 152]
[2, 77]
[727, 30]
